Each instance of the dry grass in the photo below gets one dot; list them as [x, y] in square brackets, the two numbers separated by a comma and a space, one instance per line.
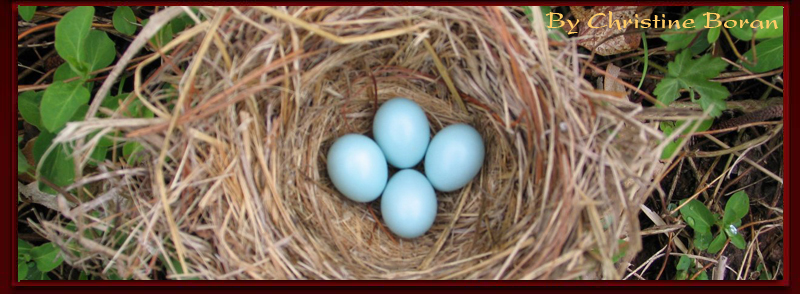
[233, 182]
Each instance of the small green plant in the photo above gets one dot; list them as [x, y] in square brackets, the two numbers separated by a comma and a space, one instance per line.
[693, 75]
[85, 51]
[710, 21]
[33, 263]
[66, 99]
[701, 220]
[685, 270]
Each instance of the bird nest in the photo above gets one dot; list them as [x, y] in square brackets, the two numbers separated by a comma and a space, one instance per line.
[230, 182]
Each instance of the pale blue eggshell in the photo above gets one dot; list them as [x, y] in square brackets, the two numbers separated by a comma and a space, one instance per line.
[402, 131]
[357, 167]
[454, 157]
[408, 204]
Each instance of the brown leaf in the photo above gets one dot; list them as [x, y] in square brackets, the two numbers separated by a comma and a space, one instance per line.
[622, 20]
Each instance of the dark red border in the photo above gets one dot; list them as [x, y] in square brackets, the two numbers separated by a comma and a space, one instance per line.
[614, 286]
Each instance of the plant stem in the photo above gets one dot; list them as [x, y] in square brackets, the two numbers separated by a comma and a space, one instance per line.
[646, 61]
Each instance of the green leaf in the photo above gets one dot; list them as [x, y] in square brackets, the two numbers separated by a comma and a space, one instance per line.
[26, 12]
[99, 51]
[58, 167]
[712, 94]
[744, 33]
[23, 250]
[83, 276]
[35, 274]
[668, 127]
[22, 270]
[124, 20]
[163, 36]
[678, 38]
[80, 114]
[71, 33]
[724, 10]
[736, 238]
[697, 215]
[717, 244]
[702, 277]
[60, 102]
[64, 72]
[738, 241]
[769, 56]
[681, 275]
[668, 90]
[131, 152]
[46, 257]
[28, 106]
[702, 239]
[22, 163]
[772, 20]
[713, 33]
[736, 208]
[180, 23]
[764, 273]
[101, 150]
[683, 263]
[114, 276]
[701, 43]
[693, 75]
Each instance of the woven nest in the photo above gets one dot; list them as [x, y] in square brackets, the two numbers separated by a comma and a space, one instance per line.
[230, 181]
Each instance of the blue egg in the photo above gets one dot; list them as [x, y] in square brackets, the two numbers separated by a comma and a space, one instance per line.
[402, 131]
[454, 157]
[357, 167]
[408, 204]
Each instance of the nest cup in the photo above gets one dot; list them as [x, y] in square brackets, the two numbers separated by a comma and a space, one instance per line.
[241, 191]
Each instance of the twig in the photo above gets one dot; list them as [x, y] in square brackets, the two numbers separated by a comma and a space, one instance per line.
[719, 275]
[740, 67]
[739, 127]
[32, 191]
[697, 274]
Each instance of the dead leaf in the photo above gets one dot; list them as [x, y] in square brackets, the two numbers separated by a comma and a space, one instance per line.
[611, 83]
[622, 19]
